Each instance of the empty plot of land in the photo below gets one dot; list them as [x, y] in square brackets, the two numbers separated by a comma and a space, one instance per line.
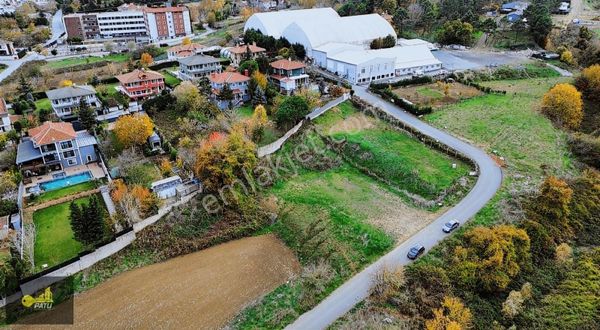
[200, 290]
[437, 95]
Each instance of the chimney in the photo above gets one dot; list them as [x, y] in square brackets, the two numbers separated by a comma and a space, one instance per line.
[246, 73]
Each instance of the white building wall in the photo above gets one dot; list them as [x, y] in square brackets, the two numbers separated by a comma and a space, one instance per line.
[187, 22]
[151, 23]
[320, 58]
[121, 23]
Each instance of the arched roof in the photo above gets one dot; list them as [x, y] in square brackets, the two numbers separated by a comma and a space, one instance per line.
[352, 29]
[273, 23]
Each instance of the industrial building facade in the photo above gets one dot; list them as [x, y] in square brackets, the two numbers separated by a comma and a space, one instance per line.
[131, 22]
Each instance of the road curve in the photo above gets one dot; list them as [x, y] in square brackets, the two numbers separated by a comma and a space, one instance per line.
[356, 289]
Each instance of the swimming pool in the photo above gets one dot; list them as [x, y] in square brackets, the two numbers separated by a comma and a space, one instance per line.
[66, 181]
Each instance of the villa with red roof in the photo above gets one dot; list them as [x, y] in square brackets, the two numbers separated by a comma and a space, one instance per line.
[54, 147]
[238, 84]
[181, 51]
[238, 54]
[141, 84]
[288, 75]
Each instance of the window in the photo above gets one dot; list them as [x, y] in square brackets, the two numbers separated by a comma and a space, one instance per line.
[66, 144]
[88, 158]
[72, 161]
[69, 154]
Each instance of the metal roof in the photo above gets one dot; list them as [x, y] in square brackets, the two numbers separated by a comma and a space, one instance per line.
[198, 59]
[84, 139]
[27, 152]
[70, 91]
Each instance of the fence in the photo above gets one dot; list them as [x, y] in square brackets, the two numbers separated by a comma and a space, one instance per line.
[84, 261]
[273, 147]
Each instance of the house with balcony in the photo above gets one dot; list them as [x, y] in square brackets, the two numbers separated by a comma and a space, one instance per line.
[288, 75]
[238, 83]
[54, 147]
[65, 101]
[181, 51]
[238, 54]
[198, 66]
[141, 84]
[5, 123]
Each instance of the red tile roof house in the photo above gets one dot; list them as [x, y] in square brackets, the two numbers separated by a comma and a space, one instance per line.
[238, 54]
[141, 84]
[237, 82]
[54, 147]
[181, 51]
[288, 75]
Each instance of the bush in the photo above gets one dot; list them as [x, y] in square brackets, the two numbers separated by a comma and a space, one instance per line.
[8, 207]
[586, 148]
[291, 111]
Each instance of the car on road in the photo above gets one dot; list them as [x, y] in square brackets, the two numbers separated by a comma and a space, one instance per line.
[450, 226]
[415, 252]
[545, 55]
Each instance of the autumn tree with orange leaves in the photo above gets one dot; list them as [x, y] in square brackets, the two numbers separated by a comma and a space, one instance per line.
[563, 105]
[133, 130]
[146, 59]
[551, 208]
[222, 159]
[453, 315]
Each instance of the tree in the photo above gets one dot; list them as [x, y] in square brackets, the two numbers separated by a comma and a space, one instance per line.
[186, 41]
[389, 41]
[539, 21]
[66, 83]
[87, 115]
[260, 79]
[133, 129]
[226, 93]
[589, 82]
[456, 32]
[543, 247]
[585, 206]
[222, 159]
[246, 12]
[189, 99]
[513, 305]
[489, 258]
[563, 105]
[24, 87]
[551, 208]
[453, 315]
[87, 221]
[146, 60]
[399, 19]
[109, 46]
[249, 65]
[291, 110]
[258, 122]
[258, 96]
[567, 57]
[44, 114]
[204, 86]
[211, 19]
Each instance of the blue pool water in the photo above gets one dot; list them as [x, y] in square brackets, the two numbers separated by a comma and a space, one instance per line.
[66, 181]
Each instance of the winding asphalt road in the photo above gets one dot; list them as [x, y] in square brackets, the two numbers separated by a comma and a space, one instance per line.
[356, 289]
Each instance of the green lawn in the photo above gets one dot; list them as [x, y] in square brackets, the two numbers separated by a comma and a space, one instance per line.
[170, 79]
[394, 155]
[68, 62]
[54, 241]
[510, 124]
[70, 190]
[43, 104]
[246, 111]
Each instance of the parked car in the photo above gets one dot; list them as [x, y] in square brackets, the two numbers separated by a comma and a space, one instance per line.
[415, 252]
[545, 55]
[450, 226]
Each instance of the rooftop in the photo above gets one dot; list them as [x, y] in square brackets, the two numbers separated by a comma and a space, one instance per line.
[243, 49]
[50, 132]
[287, 65]
[185, 48]
[70, 91]
[227, 77]
[404, 57]
[198, 59]
[27, 152]
[138, 75]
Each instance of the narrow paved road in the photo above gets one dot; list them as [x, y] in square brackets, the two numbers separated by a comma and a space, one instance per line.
[357, 288]
[58, 27]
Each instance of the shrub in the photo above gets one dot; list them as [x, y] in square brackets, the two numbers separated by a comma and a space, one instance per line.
[563, 105]
[586, 148]
[291, 110]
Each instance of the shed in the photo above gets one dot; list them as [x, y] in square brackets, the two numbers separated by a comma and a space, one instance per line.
[166, 188]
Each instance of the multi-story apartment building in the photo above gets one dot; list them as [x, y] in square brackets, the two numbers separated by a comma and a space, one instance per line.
[5, 124]
[238, 83]
[141, 84]
[65, 101]
[131, 22]
[54, 147]
[198, 66]
[288, 75]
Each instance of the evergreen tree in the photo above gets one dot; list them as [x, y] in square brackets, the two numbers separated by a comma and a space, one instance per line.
[76, 219]
[24, 86]
[258, 96]
[204, 86]
[94, 221]
[226, 94]
[87, 115]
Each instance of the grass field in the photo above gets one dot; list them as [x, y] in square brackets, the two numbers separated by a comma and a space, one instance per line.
[433, 94]
[68, 62]
[54, 241]
[392, 154]
[170, 79]
[510, 125]
[70, 190]
[43, 104]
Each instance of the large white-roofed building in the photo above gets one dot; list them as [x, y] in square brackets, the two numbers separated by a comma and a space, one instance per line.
[273, 23]
[364, 66]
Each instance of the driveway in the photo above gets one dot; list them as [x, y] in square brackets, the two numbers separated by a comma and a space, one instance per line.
[453, 60]
[58, 27]
[356, 289]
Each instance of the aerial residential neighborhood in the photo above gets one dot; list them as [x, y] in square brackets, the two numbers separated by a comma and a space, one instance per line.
[224, 164]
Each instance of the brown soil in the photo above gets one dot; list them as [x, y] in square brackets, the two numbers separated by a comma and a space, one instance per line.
[200, 290]
[433, 94]
[354, 123]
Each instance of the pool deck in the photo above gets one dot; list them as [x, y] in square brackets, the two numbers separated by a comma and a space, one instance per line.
[94, 168]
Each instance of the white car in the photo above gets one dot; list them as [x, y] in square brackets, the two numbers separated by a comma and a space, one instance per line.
[450, 226]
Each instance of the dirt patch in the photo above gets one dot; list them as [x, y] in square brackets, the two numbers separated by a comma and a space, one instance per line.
[199, 290]
[353, 123]
[437, 94]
